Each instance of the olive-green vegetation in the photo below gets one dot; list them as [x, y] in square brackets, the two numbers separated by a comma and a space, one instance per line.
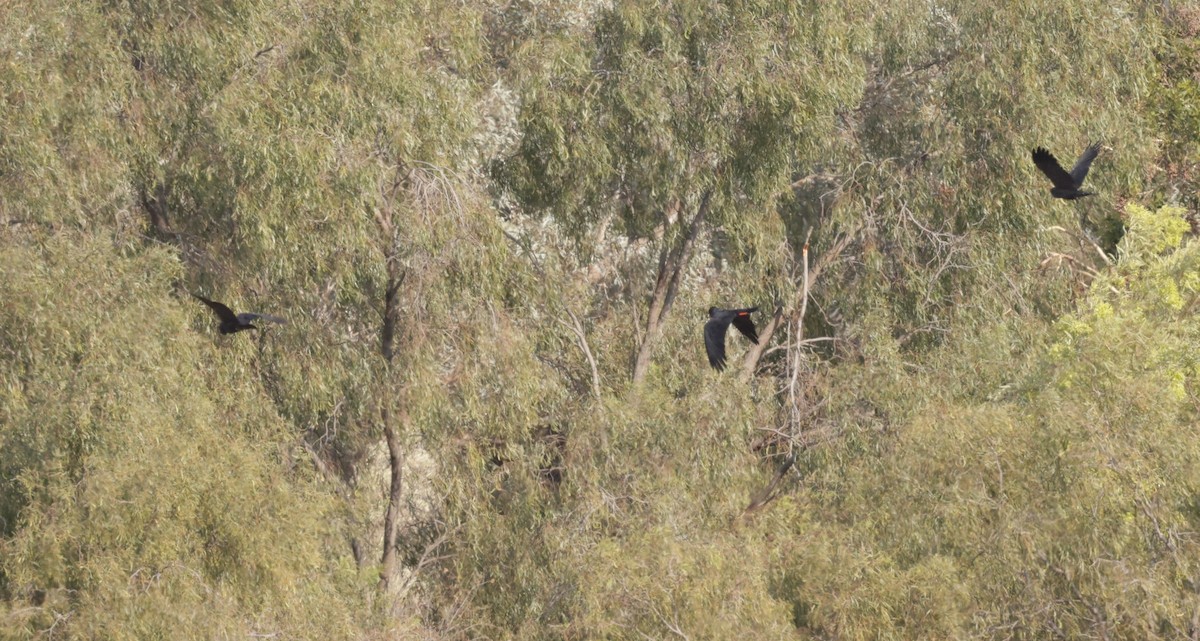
[494, 229]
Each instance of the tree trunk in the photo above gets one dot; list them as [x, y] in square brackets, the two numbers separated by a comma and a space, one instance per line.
[387, 348]
[396, 465]
[671, 266]
[391, 314]
[750, 365]
[756, 351]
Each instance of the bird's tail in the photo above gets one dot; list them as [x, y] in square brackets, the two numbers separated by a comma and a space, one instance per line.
[253, 316]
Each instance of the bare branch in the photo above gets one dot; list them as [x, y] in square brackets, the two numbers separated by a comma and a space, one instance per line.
[831, 255]
[807, 341]
[671, 266]
[1084, 241]
[793, 404]
[827, 258]
[1075, 264]
[750, 364]
[427, 558]
[387, 568]
[577, 328]
[768, 493]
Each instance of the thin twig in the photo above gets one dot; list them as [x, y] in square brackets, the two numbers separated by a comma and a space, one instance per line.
[807, 341]
[577, 328]
[1082, 239]
[427, 558]
[768, 493]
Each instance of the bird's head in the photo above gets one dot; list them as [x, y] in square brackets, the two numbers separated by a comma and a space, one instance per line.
[711, 311]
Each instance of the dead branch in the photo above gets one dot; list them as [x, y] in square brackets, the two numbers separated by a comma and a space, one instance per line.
[750, 364]
[768, 493]
[577, 328]
[427, 558]
[793, 404]
[827, 258]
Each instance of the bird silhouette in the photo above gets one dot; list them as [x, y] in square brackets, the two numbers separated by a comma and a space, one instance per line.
[1067, 185]
[233, 323]
[718, 324]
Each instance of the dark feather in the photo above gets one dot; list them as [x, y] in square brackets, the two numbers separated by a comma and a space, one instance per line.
[1080, 170]
[718, 325]
[1068, 186]
[233, 323]
[746, 326]
[224, 313]
[1046, 162]
[714, 342]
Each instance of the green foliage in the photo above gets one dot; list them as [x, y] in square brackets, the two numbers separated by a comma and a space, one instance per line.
[1039, 508]
[62, 140]
[143, 493]
[461, 208]
[660, 105]
[1175, 102]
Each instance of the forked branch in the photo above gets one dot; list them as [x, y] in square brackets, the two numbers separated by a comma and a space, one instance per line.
[671, 266]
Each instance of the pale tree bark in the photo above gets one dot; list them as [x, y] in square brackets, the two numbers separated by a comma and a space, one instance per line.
[792, 430]
[387, 570]
[750, 365]
[577, 328]
[768, 494]
[798, 306]
[797, 348]
[672, 263]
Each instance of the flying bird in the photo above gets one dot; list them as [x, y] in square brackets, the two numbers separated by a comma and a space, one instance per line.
[233, 323]
[1067, 185]
[715, 328]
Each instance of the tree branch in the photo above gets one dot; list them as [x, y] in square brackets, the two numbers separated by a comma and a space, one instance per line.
[685, 254]
[387, 345]
[793, 403]
[577, 329]
[768, 493]
[671, 266]
[827, 258]
[387, 568]
[750, 365]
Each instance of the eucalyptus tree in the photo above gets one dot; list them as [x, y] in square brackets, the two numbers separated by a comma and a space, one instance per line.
[322, 158]
[346, 152]
[478, 217]
[670, 122]
[935, 173]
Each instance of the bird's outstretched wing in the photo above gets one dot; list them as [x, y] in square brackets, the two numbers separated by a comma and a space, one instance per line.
[224, 313]
[1080, 170]
[1046, 162]
[247, 317]
[714, 341]
[746, 326]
